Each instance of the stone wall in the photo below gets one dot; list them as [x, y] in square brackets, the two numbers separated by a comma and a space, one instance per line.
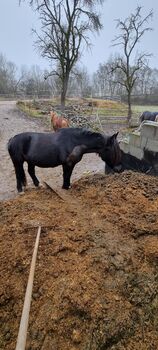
[142, 144]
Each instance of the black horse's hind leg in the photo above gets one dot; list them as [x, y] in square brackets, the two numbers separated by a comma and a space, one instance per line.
[67, 171]
[31, 171]
[20, 176]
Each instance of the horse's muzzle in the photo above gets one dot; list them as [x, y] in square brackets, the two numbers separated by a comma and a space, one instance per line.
[115, 169]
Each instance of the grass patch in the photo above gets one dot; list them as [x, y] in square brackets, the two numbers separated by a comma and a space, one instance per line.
[106, 112]
[29, 109]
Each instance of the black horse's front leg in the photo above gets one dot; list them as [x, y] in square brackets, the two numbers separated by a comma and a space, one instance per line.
[67, 171]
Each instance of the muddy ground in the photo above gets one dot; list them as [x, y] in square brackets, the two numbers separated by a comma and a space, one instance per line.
[96, 277]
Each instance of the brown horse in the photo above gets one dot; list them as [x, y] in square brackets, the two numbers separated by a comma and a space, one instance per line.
[58, 122]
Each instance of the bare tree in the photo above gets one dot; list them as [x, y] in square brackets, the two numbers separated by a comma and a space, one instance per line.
[80, 82]
[147, 81]
[106, 79]
[7, 76]
[131, 31]
[65, 28]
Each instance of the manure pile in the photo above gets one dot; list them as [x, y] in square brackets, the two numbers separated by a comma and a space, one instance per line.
[96, 277]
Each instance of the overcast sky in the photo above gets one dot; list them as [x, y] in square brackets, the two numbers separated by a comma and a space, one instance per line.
[16, 39]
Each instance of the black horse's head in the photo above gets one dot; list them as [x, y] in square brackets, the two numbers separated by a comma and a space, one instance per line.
[111, 153]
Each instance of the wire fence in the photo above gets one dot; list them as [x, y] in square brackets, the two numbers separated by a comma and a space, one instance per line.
[23, 96]
[140, 99]
[48, 95]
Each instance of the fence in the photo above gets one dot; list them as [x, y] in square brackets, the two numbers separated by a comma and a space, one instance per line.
[108, 97]
[146, 99]
[47, 95]
[23, 96]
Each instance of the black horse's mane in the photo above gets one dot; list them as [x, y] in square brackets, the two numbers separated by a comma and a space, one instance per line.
[87, 132]
[92, 139]
[84, 132]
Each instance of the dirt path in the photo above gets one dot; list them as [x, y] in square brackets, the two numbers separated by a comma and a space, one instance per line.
[13, 122]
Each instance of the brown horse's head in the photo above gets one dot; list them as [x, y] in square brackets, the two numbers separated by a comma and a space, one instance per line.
[58, 122]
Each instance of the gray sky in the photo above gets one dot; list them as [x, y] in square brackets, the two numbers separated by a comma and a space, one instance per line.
[16, 40]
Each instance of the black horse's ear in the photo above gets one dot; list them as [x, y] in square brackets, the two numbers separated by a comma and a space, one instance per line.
[115, 135]
[111, 139]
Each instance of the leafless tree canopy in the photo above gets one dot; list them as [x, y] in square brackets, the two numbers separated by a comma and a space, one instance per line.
[131, 31]
[65, 26]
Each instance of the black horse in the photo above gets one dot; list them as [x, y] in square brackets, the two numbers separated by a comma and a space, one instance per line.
[65, 147]
[148, 116]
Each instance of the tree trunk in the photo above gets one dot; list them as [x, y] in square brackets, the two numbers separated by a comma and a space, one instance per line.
[129, 108]
[64, 91]
[62, 99]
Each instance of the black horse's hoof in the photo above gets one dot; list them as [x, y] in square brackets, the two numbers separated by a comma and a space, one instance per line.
[66, 187]
[21, 192]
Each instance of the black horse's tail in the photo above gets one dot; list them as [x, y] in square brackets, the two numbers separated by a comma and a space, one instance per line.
[15, 150]
[16, 156]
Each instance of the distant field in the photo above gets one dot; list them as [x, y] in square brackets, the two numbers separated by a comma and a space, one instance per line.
[140, 109]
[117, 109]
